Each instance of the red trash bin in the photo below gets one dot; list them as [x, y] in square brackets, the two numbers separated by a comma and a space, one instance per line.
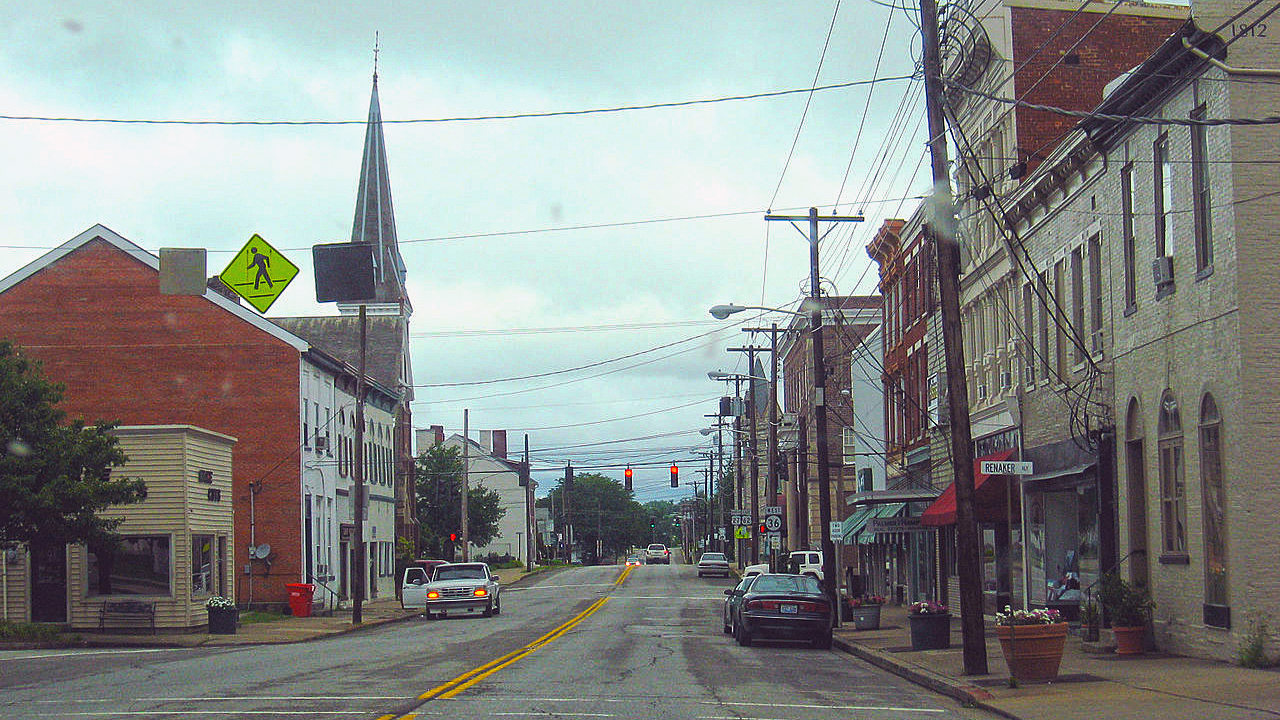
[300, 598]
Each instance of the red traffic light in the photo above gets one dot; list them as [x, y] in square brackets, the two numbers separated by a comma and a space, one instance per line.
[627, 475]
[453, 537]
[675, 475]
[762, 530]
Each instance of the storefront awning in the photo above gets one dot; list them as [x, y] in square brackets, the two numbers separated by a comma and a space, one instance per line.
[989, 499]
[855, 527]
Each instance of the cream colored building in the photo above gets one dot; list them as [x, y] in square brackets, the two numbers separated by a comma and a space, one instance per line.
[175, 548]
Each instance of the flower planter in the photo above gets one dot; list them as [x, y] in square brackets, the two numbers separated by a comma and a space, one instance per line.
[1032, 652]
[223, 621]
[865, 617]
[930, 632]
[1129, 640]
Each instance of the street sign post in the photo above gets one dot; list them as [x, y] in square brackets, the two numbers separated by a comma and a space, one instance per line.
[258, 273]
[1005, 467]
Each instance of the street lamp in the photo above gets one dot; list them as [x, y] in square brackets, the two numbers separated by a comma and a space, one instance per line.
[720, 312]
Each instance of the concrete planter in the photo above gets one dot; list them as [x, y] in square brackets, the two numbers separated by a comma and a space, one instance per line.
[1129, 640]
[1033, 652]
[866, 617]
[930, 632]
[223, 621]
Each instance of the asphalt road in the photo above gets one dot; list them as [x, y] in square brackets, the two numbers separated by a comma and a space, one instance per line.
[574, 644]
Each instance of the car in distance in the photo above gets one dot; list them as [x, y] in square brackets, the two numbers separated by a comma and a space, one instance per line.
[757, 569]
[783, 606]
[459, 589]
[733, 598]
[713, 563]
[634, 560]
[657, 553]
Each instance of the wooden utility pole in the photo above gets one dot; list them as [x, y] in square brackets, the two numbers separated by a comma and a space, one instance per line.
[753, 446]
[466, 482]
[941, 228]
[829, 573]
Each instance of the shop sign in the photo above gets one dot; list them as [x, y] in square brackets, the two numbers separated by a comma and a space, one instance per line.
[897, 525]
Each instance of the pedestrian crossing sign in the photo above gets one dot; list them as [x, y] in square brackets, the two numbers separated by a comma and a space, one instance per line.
[741, 533]
[259, 273]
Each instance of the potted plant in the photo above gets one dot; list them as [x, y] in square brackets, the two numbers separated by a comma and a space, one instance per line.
[223, 615]
[930, 625]
[1032, 642]
[1129, 609]
[865, 612]
[1090, 619]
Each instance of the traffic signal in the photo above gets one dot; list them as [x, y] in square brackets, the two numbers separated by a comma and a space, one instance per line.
[568, 477]
[453, 537]
[653, 524]
[626, 474]
[675, 475]
[762, 530]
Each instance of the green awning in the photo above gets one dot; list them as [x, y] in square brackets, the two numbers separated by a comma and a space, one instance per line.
[855, 525]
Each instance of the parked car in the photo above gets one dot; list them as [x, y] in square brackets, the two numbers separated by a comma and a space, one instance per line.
[805, 562]
[732, 600]
[713, 563]
[750, 570]
[454, 589]
[783, 606]
[657, 553]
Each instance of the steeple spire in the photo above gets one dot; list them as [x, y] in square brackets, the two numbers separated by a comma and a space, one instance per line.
[375, 221]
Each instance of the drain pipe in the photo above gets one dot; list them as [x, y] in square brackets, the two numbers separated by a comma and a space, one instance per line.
[1270, 72]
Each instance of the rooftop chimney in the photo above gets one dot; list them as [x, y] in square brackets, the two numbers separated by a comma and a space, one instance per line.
[500, 444]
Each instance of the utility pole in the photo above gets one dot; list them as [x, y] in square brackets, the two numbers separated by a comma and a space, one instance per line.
[771, 477]
[751, 351]
[357, 595]
[968, 563]
[466, 482]
[531, 544]
[829, 573]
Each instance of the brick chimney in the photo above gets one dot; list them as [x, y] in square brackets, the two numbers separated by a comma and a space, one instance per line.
[500, 444]
[437, 434]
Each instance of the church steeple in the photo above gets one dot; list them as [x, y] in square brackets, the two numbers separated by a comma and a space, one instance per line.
[375, 220]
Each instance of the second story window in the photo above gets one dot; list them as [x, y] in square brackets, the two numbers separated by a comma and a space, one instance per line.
[1200, 197]
[1130, 251]
[1163, 181]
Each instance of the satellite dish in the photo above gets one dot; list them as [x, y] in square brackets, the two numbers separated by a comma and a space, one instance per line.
[263, 551]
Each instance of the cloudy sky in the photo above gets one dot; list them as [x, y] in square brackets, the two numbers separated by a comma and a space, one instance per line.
[534, 245]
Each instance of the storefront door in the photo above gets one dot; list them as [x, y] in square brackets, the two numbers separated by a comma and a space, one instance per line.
[48, 582]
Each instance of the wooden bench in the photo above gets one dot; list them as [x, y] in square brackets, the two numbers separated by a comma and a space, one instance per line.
[130, 611]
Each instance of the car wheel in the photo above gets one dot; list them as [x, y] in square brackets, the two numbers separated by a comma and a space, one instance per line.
[727, 628]
[488, 611]
[743, 636]
[497, 605]
[822, 640]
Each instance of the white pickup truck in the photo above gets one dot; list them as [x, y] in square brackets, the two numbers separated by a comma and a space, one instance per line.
[454, 589]
[805, 562]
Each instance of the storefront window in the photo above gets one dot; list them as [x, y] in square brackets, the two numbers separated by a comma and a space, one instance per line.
[201, 565]
[137, 565]
[1173, 507]
[1215, 504]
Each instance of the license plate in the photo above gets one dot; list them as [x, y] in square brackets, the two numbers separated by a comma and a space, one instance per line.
[787, 609]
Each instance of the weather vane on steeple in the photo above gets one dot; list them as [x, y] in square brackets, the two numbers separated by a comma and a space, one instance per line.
[375, 55]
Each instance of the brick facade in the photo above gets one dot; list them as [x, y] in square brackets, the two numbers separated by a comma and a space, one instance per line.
[126, 353]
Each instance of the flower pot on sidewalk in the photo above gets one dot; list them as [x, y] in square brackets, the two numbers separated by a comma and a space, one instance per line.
[223, 621]
[1129, 639]
[865, 617]
[930, 631]
[1033, 652]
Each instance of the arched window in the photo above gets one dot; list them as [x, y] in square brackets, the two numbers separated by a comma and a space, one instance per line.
[1173, 492]
[1215, 511]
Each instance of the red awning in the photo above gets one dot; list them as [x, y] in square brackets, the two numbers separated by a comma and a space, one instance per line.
[988, 497]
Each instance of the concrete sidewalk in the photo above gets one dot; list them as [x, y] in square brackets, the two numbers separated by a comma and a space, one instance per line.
[287, 629]
[1090, 685]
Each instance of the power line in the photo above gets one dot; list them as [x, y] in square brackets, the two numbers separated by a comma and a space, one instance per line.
[454, 119]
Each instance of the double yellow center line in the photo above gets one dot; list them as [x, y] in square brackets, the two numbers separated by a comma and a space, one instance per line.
[471, 677]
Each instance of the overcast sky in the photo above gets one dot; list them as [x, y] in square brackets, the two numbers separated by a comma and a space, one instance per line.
[517, 188]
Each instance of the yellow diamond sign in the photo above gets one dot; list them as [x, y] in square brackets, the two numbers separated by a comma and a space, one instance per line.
[259, 273]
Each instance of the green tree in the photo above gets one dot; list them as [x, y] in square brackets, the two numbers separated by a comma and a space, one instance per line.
[439, 486]
[665, 516]
[600, 508]
[55, 477]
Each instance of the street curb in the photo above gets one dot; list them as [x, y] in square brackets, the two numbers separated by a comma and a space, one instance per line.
[965, 693]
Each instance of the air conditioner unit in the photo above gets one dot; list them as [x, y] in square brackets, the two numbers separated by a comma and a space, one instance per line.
[1162, 270]
[322, 443]
[1095, 344]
